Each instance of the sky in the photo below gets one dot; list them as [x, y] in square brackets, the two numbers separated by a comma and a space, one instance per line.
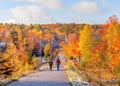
[58, 11]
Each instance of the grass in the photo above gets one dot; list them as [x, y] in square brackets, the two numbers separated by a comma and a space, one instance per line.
[73, 76]
[104, 77]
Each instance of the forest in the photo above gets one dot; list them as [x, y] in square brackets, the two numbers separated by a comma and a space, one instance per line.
[94, 49]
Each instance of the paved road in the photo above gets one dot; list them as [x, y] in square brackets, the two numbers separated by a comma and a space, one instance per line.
[44, 78]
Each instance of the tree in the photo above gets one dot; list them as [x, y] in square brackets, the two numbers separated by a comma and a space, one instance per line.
[111, 33]
[40, 27]
[31, 26]
[14, 36]
[86, 43]
[70, 48]
[113, 39]
[78, 29]
[47, 50]
[9, 61]
[66, 29]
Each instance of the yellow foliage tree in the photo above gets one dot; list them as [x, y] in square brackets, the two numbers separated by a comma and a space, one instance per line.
[9, 61]
[87, 42]
[47, 50]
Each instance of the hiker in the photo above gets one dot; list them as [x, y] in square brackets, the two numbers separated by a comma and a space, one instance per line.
[58, 63]
[50, 64]
[42, 54]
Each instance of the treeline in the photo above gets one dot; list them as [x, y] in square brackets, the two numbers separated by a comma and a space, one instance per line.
[98, 50]
[19, 47]
[20, 44]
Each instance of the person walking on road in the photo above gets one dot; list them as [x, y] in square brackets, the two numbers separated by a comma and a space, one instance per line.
[50, 64]
[58, 63]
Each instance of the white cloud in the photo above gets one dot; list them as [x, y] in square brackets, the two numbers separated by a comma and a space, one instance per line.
[28, 14]
[82, 19]
[89, 7]
[53, 4]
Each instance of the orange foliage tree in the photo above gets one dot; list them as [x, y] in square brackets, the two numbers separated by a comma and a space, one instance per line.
[70, 49]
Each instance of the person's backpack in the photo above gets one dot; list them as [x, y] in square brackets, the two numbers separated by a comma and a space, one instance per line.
[58, 61]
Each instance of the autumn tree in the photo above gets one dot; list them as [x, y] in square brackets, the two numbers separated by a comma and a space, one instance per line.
[47, 50]
[87, 43]
[112, 36]
[70, 49]
[66, 29]
[9, 62]
[106, 52]
[78, 29]
[112, 32]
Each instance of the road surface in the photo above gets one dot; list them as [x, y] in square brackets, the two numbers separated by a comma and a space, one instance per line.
[43, 78]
